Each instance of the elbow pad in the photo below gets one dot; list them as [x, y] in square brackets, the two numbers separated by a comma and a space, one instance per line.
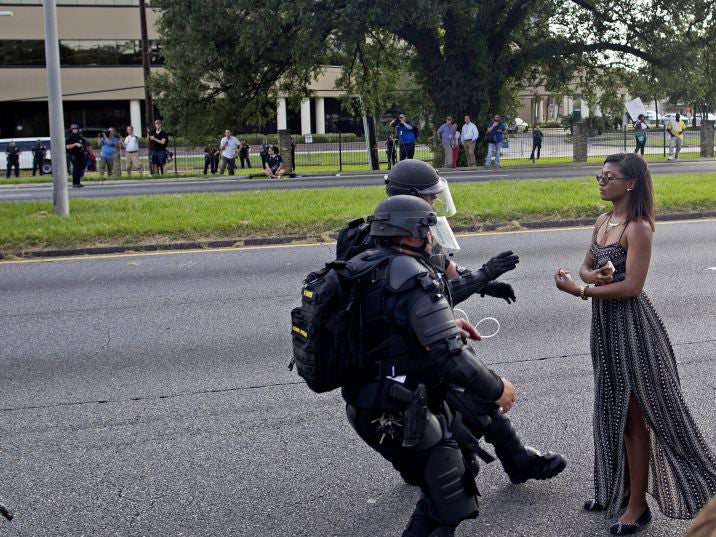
[462, 367]
[433, 324]
[467, 285]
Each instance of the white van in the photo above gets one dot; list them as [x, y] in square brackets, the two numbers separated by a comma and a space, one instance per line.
[25, 145]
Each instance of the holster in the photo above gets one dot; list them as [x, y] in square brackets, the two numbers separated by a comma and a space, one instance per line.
[415, 414]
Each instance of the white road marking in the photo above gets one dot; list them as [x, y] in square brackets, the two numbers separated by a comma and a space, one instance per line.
[3, 196]
[711, 268]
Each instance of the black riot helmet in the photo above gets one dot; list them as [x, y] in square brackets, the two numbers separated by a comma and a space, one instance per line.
[402, 216]
[417, 178]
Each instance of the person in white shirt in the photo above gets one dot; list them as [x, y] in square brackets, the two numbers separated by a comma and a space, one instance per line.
[131, 147]
[469, 139]
[229, 148]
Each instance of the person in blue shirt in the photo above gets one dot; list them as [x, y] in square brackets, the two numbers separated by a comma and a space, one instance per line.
[447, 138]
[108, 146]
[406, 136]
[494, 136]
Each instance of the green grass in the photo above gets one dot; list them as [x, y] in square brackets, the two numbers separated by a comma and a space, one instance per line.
[26, 225]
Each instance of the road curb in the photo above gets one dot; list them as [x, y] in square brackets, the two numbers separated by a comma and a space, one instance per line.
[119, 182]
[274, 241]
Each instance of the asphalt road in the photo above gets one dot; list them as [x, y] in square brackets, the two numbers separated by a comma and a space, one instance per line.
[148, 395]
[241, 183]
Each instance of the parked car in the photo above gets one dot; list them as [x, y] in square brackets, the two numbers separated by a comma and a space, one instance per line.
[672, 115]
[651, 116]
[25, 145]
[519, 125]
[709, 117]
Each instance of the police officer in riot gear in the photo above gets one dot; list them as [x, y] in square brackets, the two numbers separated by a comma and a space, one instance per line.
[396, 403]
[417, 178]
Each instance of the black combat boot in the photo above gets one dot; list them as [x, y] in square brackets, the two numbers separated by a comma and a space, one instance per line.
[519, 461]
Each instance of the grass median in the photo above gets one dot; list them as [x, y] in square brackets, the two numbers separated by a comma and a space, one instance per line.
[138, 220]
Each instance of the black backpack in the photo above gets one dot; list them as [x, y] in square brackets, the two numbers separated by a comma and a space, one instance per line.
[353, 239]
[326, 329]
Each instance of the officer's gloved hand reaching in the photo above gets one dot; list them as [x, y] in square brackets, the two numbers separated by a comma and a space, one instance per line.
[501, 263]
[499, 290]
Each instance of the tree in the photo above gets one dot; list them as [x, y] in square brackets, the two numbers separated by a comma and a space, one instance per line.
[469, 56]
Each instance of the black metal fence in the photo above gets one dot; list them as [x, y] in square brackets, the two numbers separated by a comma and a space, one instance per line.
[338, 156]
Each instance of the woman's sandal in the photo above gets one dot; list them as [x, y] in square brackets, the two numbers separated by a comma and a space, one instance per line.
[626, 528]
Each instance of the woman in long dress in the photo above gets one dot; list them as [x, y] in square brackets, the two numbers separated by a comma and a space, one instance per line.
[639, 412]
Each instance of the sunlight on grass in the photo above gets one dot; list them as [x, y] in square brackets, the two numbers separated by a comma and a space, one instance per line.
[237, 215]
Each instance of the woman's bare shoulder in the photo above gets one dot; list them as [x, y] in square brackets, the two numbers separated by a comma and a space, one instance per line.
[639, 230]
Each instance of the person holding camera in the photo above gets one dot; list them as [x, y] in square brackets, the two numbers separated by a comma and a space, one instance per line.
[406, 136]
[108, 153]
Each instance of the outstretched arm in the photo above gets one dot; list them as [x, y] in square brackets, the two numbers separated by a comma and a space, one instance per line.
[470, 282]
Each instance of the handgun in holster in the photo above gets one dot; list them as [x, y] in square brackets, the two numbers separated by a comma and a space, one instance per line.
[415, 414]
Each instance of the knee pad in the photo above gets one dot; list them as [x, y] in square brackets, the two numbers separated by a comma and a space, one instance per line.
[432, 434]
[450, 497]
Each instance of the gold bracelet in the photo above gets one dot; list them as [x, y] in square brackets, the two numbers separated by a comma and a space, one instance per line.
[582, 289]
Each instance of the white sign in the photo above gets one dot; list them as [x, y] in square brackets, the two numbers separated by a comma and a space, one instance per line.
[308, 138]
[634, 108]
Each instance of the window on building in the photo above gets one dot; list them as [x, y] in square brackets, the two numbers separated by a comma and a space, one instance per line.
[22, 52]
[31, 53]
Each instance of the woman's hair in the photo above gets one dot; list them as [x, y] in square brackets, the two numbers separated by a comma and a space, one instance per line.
[275, 149]
[641, 201]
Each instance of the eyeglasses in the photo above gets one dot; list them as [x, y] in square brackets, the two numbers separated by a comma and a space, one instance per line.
[604, 179]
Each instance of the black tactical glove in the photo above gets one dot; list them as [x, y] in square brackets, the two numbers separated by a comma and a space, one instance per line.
[501, 263]
[499, 290]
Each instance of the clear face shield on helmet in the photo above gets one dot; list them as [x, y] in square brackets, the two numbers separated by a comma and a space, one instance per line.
[440, 198]
[443, 235]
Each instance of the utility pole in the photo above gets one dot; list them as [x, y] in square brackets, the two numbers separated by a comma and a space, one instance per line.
[54, 103]
[146, 64]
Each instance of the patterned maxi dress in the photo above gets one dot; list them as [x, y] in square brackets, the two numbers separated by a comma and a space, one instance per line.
[632, 354]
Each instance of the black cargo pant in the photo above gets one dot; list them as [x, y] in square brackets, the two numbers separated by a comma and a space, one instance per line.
[412, 463]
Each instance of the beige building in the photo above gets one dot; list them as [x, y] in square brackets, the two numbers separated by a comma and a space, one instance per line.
[102, 81]
[100, 54]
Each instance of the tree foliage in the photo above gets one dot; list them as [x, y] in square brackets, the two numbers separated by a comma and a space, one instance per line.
[227, 58]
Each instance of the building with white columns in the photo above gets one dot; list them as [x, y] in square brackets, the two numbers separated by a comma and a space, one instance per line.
[100, 56]
[316, 114]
